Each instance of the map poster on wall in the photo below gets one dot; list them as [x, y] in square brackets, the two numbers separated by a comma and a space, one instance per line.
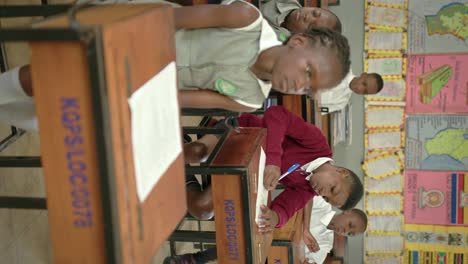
[435, 25]
[437, 142]
[436, 197]
[437, 83]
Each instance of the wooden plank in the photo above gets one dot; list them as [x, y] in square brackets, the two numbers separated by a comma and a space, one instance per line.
[68, 151]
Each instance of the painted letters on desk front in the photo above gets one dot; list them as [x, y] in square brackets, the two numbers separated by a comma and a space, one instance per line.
[76, 165]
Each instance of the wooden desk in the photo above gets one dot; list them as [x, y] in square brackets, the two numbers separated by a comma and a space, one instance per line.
[235, 196]
[82, 84]
[287, 246]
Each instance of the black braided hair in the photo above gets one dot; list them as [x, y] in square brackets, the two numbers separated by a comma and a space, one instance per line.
[334, 40]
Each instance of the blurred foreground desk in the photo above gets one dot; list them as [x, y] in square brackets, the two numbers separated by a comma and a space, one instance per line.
[83, 76]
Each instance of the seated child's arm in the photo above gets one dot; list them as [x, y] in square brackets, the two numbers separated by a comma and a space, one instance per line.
[289, 202]
[210, 99]
[307, 214]
[282, 123]
[309, 239]
[268, 219]
[235, 15]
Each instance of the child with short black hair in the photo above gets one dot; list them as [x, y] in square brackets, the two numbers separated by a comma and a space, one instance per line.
[290, 140]
[318, 233]
[288, 17]
[321, 223]
[338, 97]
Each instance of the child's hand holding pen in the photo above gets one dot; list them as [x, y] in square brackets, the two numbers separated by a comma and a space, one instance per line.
[272, 175]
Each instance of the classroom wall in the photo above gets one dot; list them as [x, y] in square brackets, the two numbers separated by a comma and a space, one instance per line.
[351, 14]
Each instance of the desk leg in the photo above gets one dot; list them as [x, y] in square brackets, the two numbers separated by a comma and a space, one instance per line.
[23, 203]
[247, 216]
[20, 162]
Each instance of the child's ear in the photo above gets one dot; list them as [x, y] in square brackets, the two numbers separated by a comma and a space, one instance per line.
[342, 171]
[297, 40]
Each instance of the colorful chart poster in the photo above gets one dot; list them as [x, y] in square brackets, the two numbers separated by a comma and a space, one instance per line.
[437, 142]
[436, 197]
[437, 83]
[435, 244]
[437, 26]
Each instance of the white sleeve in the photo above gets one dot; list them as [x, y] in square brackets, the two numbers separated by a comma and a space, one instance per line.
[257, 22]
[337, 97]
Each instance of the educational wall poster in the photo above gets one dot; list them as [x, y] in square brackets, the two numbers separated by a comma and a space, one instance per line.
[435, 244]
[437, 26]
[386, 65]
[384, 117]
[437, 142]
[429, 256]
[384, 243]
[385, 17]
[385, 41]
[393, 90]
[437, 83]
[383, 259]
[396, 3]
[436, 197]
[385, 223]
[382, 165]
[384, 139]
[384, 203]
[391, 183]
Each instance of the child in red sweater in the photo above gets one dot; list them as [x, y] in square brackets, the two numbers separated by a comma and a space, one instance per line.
[289, 140]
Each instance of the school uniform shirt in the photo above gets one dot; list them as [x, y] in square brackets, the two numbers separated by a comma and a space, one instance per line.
[290, 140]
[337, 97]
[275, 12]
[219, 59]
[321, 215]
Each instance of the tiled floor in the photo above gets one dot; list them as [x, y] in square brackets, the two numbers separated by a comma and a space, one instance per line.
[24, 235]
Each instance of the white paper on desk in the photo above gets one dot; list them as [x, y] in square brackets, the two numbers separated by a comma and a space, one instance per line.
[262, 193]
[155, 129]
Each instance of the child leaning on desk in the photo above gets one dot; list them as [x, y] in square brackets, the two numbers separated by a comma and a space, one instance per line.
[290, 140]
[227, 57]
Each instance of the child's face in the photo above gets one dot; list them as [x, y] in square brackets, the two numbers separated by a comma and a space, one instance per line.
[347, 223]
[332, 185]
[364, 84]
[303, 18]
[305, 68]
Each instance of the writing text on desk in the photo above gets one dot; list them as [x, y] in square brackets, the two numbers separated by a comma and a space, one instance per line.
[76, 165]
[231, 229]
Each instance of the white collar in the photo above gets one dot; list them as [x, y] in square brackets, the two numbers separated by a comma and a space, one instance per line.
[326, 219]
[311, 166]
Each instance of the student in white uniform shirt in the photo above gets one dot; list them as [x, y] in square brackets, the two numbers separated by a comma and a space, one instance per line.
[338, 97]
[320, 224]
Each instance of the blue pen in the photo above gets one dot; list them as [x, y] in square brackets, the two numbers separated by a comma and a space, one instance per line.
[291, 169]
